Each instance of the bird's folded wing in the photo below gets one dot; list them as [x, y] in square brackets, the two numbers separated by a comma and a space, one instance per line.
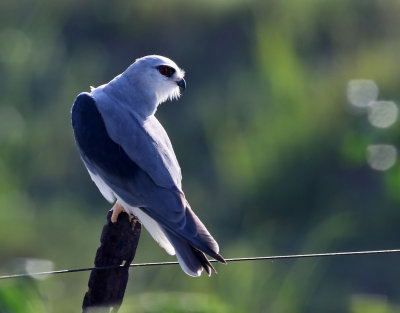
[143, 140]
[157, 195]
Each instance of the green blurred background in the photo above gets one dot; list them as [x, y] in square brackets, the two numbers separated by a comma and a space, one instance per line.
[276, 136]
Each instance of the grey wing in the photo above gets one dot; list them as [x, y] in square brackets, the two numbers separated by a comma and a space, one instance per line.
[107, 159]
[144, 141]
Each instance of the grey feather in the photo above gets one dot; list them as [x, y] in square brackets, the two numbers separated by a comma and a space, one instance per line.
[127, 105]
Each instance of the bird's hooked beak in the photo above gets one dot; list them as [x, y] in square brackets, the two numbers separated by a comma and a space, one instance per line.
[181, 83]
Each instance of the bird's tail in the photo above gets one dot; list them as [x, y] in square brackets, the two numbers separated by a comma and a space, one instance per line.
[185, 235]
[191, 259]
[192, 243]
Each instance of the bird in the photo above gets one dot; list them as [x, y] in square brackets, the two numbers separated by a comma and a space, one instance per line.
[130, 158]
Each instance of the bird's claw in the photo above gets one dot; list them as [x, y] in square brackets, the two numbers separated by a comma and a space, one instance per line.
[117, 209]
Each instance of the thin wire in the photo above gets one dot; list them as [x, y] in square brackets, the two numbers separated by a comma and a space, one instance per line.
[257, 258]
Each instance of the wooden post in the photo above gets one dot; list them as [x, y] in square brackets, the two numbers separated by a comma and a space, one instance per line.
[118, 247]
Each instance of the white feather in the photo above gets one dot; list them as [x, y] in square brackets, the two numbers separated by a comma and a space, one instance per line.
[106, 191]
[151, 225]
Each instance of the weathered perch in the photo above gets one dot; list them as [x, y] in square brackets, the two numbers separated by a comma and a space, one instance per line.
[118, 247]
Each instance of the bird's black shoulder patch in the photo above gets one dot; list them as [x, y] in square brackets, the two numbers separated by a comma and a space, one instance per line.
[94, 142]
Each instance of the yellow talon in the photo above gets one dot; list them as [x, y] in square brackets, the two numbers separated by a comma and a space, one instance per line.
[117, 209]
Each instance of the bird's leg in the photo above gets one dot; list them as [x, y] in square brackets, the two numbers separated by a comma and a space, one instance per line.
[117, 209]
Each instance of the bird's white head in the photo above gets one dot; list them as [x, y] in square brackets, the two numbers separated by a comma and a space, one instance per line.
[158, 75]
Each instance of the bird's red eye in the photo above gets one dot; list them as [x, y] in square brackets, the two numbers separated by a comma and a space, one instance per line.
[166, 70]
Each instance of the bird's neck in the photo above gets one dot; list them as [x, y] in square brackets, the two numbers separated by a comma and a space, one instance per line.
[133, 95]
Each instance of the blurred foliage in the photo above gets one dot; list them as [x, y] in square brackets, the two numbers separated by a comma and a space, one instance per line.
[272, 153]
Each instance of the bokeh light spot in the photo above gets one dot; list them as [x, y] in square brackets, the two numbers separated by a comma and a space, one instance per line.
[38, 265]
[381, 157]
[382, 114]
[360, 92]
